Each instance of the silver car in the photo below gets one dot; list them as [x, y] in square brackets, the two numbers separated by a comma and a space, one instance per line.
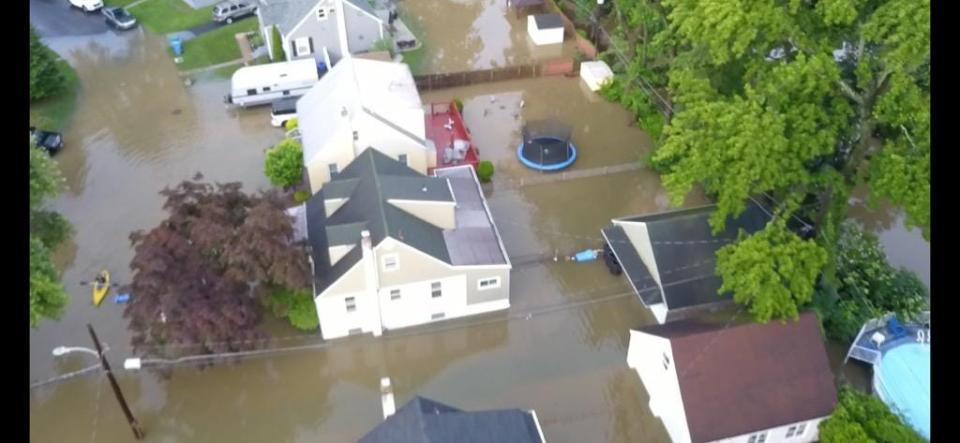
[232, 10]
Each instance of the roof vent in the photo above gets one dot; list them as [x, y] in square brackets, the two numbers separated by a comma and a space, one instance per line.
[343, 111]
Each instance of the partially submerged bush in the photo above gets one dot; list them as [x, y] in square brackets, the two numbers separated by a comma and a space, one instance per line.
[291, 124]
[459, 104]
[485, 171]
[301, 196]
[284, 163]
[296, 306]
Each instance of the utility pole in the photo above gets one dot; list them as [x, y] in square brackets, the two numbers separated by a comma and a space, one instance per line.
[134, 424]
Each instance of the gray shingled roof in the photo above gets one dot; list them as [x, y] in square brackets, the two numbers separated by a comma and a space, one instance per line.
[548, 21]
[427, 421]
[475, 241]
[371, 179]
[288, 13]
[680, 240]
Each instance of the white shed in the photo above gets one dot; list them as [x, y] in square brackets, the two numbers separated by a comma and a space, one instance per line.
[545, 29]
[595, 74]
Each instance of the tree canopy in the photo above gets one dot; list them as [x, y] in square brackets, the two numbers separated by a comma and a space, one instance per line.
[46, 78]
[861, 418]
[48, 230]
[793, 99]
[200, 276]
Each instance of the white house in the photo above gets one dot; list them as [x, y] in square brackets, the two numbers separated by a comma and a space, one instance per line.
[328, 30]
[362, 103]
[392, 248]
[669, 257]
[750, 383]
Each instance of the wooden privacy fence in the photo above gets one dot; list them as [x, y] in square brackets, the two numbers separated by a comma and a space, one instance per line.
[428, 82]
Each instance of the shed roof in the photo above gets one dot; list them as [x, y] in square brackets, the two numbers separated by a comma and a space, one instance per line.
[683, 249]
[525, 3]
[771, 374]
[548, 21]
[427, 421]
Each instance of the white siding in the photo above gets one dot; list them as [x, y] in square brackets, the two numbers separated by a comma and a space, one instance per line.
[372, 132]
[659, 311]
[646, 355]
[779, 434]
[417, 306]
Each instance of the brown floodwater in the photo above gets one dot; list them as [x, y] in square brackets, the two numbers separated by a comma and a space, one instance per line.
[463, 35]
[560, 349]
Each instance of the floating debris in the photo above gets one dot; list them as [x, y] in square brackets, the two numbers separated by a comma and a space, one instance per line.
[176, 111]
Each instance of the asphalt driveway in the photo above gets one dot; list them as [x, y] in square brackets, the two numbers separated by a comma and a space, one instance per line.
[56, 18]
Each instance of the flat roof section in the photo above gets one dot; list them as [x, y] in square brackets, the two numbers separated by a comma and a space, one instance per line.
[475, 240]
[548, 21]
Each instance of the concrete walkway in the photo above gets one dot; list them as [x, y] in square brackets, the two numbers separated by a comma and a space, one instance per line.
[238, 61]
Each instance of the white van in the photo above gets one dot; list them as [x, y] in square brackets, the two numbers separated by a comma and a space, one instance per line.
[262, 84]
[283, 110]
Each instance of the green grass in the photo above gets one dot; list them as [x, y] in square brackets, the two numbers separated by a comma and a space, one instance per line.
[166, 16]
[120, 3]
[227, 71]
[217, 46]
[416, 59]
[54, 112]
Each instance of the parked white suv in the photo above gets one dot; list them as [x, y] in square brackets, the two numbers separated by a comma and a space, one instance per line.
[87, 5]
[229, 11]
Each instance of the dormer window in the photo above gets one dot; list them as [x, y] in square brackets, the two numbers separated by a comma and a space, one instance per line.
[321, 14]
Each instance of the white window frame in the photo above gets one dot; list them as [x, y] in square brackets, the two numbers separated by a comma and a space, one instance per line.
[791, 431]
[759, 437]
[494, 285]
[302, 46]
[394, 294]
[438, 316]
[393, 257]
[436, 289]
[322, 14]
[334, 169]
[350, 307]
[402, 158]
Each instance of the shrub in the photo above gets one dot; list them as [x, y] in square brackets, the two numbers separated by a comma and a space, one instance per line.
[296, 306]
[459, 104]
[301, 196]
[279, 52]
[46, 78]
[384, 44]
[291, 124]
[284, 163]
[863, 418]
[485, 171]
[256, 40]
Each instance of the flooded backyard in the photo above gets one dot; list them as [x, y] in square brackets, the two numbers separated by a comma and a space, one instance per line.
[560, 349]
[464, 35]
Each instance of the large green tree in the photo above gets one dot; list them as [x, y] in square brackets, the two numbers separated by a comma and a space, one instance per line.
[861, 418]
[797, 98]
[46, 78]
[47, 230]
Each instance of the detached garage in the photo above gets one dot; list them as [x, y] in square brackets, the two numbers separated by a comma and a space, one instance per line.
[545, 29]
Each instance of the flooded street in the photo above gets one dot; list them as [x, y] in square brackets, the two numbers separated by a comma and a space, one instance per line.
[463, 35]
[560, 349]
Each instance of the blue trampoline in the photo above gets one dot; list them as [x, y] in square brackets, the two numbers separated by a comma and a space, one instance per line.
[546, 146]
[902, 381]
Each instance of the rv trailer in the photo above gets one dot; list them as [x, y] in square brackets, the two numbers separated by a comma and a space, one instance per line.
[263, 84]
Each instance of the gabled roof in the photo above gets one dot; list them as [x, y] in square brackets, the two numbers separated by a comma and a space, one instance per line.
[287, 14]
[371, 179]
[382, 90]
[770, 374]
[683, 249]
[427, 421]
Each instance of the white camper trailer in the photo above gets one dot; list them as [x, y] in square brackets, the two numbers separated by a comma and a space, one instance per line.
[262, 84]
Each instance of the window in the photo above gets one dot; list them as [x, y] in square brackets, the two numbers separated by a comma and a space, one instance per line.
[334, 170]
[435, 289]
[801, 428]
[394, 294]
[791, 430]
[402, 158]
[303, 46]
[488, 283]
[356, 136]
[286, 92]
[666, 361]
[355, 331]
[437, 316]
[758, 438]
[251, 92]
[321, 14]
[390, 262]
[266, 89]
[351, 303]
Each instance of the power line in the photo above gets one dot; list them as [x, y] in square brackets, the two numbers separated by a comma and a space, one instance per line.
[66, 376]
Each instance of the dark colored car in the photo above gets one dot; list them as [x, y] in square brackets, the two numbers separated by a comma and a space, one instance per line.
[51, 141]
[611, 260]
[119, 18]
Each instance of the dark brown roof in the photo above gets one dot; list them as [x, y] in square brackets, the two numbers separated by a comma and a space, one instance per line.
[749, 377]
[525, 3]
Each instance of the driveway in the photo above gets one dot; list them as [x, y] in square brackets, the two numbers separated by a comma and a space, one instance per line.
[55, 18]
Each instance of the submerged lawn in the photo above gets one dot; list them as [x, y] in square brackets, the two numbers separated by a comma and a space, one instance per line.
[166, 16]
[217, 46]
[121, 3]
[52, 113]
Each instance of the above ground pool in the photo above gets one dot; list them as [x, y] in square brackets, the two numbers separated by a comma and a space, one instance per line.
[902, 381]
